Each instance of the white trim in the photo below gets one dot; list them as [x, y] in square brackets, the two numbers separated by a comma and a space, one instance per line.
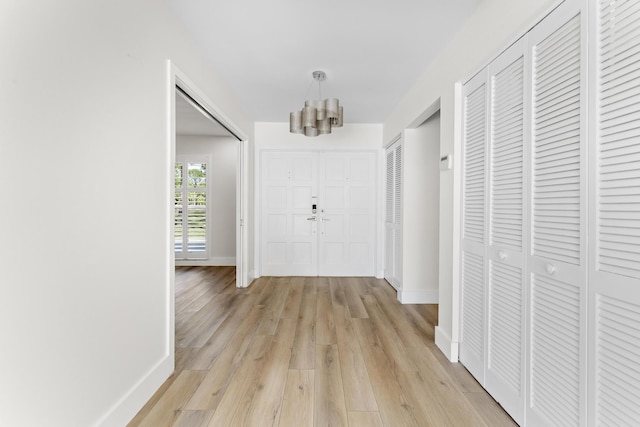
[178, 78]
[424, 296]
[395, 139]
[443, 342]
[135, 398]
[211, 262]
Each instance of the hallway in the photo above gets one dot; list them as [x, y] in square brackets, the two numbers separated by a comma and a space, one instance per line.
[305, 351]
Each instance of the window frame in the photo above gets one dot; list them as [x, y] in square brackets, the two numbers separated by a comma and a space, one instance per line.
[185, 254]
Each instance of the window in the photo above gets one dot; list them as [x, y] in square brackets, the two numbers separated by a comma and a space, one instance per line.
[191, 208]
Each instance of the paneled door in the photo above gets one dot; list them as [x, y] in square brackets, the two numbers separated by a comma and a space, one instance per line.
[289, 181]
[317, 213]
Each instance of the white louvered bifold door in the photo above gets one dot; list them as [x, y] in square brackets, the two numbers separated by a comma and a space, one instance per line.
[556, 264]
[504, 366]
[474, 227]
[614, 255]
[393, 215]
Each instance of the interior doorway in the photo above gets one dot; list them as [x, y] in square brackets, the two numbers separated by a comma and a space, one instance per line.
[205, 188]
[203, 110]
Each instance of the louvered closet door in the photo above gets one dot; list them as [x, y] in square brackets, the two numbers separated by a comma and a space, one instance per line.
[474, 227]
[614, 272]
[506, 294]
[393, 225]
[557, 279]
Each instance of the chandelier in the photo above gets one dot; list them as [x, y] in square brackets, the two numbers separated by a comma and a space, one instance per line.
[317, 117]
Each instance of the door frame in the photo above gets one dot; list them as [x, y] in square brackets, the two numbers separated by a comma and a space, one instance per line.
[177, 78]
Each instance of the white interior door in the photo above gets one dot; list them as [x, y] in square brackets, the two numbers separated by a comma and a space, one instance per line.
[556, 250]
[318, 214]
[474, 230]
[289, 235]
[504, 366]
[614, 250]
[345, 216]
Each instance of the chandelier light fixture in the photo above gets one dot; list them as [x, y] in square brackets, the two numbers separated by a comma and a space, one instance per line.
[317, 117]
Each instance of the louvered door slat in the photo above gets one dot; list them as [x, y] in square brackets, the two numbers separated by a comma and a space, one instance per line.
[389, 188]
[560, 130]
[618, 370]
[473, 227]
[473, 323]
[555, 346]
[397, 191]
[505, 323]
[507, 151]
[474, 164]
[506, 335]
[619, 136]
[393, 232]
[556, 383]
[614, 270]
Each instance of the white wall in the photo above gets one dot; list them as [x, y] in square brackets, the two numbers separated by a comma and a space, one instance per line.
[350, 136]
[494, 25]
[276, 136]
[85, 275]
[420, 213]
[223, 155]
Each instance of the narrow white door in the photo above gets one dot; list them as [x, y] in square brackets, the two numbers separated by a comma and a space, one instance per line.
[345, 216]
[289, 183]
[474, 229]
[393, 209]
[504, 367]
[556, 261]
[614, 270]
[318, 213]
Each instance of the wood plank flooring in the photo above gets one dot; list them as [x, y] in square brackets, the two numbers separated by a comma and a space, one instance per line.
[309, 351]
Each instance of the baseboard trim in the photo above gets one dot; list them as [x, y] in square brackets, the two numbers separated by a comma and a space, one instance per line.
[133, 400]
[444, 343]
[418, 297]
[211, 262]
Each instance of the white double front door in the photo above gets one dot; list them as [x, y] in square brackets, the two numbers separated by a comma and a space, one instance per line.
[317, 213]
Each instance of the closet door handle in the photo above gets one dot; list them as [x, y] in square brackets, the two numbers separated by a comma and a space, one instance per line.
[312, 218]
[551, 269]
[502, 255]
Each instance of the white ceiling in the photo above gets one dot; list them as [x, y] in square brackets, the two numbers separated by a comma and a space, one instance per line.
[373, 51]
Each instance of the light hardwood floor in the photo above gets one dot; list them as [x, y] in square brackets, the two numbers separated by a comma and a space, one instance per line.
[309, 351]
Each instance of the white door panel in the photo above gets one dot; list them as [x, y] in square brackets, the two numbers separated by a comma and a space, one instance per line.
[556, 250]
[346, 237]
[614, 251]
[473, 225]
[289, 239]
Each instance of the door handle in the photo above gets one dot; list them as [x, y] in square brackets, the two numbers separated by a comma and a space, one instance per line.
[324, 219]
[312, 218]
[551, 269]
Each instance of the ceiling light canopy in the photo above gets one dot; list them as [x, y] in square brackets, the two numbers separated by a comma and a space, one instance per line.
[317, 117]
